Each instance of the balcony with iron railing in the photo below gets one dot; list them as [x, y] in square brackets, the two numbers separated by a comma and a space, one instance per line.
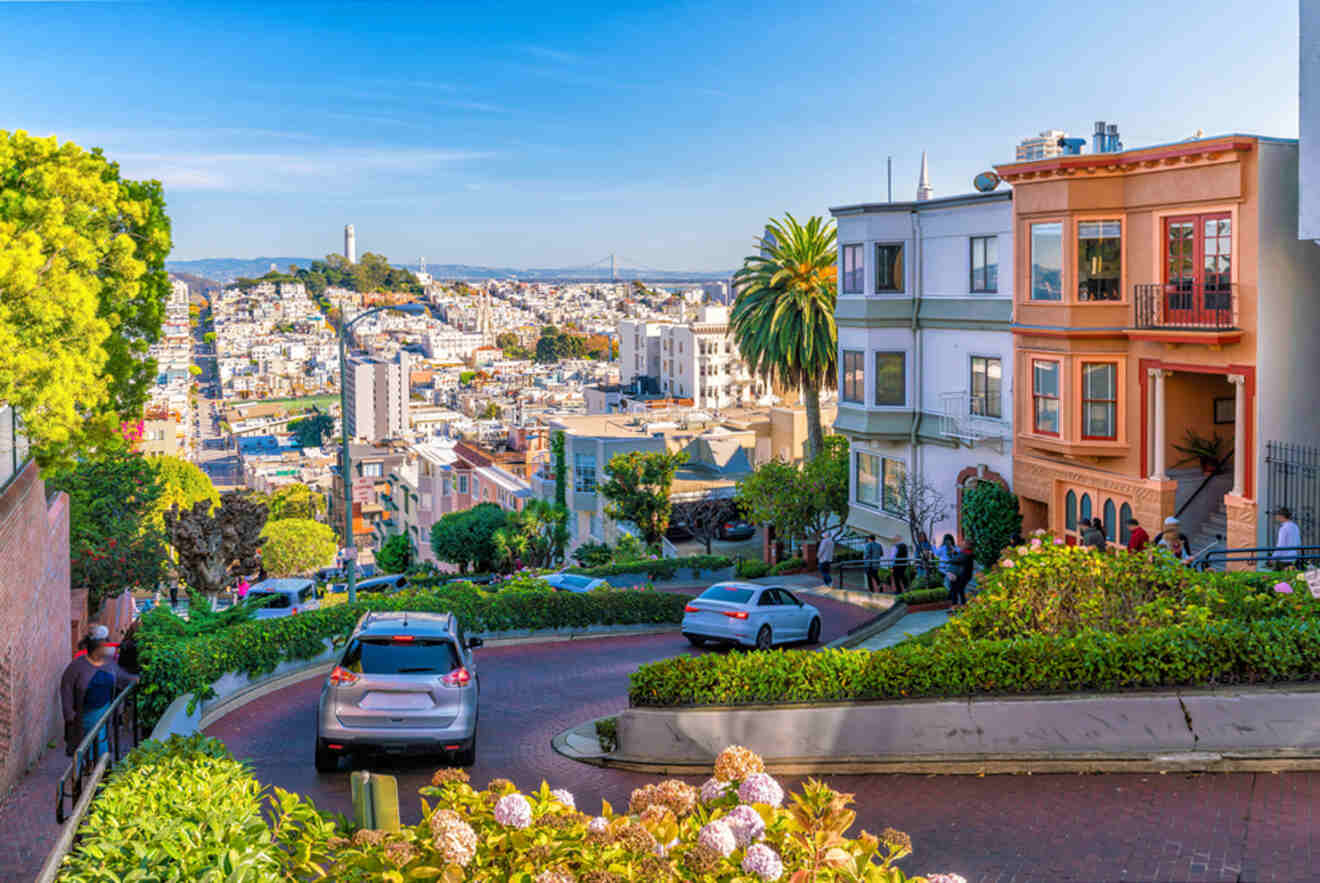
[1186, 306]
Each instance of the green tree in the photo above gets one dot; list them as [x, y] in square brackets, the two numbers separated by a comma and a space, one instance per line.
[536, 536]
[395, 555]
[990, 518]
[312, 432]
[467, 537]
[194, 370]
[296, 546]
[490, 412]
[183, 483]
[800, 502]
[371, 272]
[296, 500]
[115, 542]
[507, 340]
[209, 337]
[783, 319]
[638, 486]
[82, 271]
[561, 470]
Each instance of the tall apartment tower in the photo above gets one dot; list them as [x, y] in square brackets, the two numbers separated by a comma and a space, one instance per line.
[1044, 146]
[350, 244]
[377, 393]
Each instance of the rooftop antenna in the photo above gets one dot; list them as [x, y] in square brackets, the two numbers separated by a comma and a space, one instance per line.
[889, 166]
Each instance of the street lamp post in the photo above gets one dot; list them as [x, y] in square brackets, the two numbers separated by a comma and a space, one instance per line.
[346, 458]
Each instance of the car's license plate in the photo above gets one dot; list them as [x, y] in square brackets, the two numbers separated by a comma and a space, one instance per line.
[395, 701]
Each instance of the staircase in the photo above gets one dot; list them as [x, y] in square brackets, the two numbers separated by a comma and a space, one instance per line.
[1203, 517]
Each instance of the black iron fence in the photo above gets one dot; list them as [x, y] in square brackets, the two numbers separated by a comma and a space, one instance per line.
[1189, 306]
[1292, 481]
[115, 734]
[1262, 558]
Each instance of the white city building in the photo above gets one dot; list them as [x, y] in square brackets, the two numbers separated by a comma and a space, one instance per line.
[693, 359]
[1043, 146]
[925, 350]
[377, 394]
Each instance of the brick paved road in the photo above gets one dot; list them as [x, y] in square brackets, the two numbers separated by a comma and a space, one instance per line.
[998, 828]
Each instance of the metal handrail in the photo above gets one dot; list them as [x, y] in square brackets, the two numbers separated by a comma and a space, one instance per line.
[1219, 470]
[70, 785]
[1165, 305]
[866, 563]
[1259, 554]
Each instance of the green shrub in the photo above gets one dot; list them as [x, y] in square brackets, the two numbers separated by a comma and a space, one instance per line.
[924, 596]
[174, 665]
[751, 568]
[659, 568]
[593, 554]
[188, 811]
[990, 516]
[607, 733]
[788, 565]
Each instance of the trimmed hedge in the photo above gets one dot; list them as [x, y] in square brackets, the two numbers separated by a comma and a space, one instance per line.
[751, 568]
[174, 665]
[788, 565]
[658, 568]
[924, 596]
[1218, 654]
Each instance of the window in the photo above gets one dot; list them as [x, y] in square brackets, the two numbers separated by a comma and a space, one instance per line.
[895, 475]
[1124, 531]
[1047, 261]
[1086, 508]
[985, 263]
[584, 474]
[852, 269]
[1070, 511]
[371, 470]
[987, 379]
[1099, 400]
[890, 378]
[1109, 518]
[868, 479]
[1099, 260]
[889, 267]
[1045, 396]
[462, 484]
[854, 376]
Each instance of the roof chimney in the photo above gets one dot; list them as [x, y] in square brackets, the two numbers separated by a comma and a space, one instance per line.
[924, 190]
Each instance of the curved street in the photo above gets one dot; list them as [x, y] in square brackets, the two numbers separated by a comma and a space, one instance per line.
[994, 828]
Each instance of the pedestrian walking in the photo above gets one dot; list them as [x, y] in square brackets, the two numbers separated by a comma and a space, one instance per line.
[1171, 531]
[945, 553]
[1137, 536]
[898, 575]
[241, 589]
[174, 594]
[1289, 540]
[1093, 534]
[87, 688]
[963, 563]
[874, 553]
[1177, 549]
[825, 556]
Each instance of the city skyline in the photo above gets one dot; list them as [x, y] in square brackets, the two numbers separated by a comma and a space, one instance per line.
[660, 135]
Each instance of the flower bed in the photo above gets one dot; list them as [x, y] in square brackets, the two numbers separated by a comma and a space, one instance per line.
[175, 664]
[1049, 619]
[187, 810]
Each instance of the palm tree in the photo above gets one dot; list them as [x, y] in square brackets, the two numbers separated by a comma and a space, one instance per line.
[783, 319]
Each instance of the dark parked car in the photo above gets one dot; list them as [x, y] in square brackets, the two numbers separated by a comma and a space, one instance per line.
[736, 530]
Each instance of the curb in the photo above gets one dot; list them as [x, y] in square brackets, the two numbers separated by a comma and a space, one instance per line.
[848, 596]
[868, 630]
[560, 743]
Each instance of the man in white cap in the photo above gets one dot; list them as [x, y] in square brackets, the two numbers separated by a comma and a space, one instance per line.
[1171, 529]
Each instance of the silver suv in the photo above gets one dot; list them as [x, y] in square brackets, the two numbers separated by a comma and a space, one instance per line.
[406, 684]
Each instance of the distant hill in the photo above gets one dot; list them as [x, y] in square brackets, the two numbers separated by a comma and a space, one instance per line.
[197, 285]
[229, 269]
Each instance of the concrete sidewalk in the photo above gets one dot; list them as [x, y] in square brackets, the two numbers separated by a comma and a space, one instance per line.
[911, 624]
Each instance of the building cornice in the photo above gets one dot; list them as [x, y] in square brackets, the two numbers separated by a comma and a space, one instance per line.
[1202, 152]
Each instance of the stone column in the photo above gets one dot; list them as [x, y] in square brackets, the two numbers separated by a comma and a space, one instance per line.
[1158, 471]
[1239, 434]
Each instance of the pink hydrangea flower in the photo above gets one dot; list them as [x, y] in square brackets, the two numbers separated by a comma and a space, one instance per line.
[1283, 588]
[747, 824]
[565, 797]
[719, 837]
[513, 810]
[1008, 562]
[764, 862]
[1035, 542]
[713, 789]
[1058, 541]
[598, 825]
[761, 788]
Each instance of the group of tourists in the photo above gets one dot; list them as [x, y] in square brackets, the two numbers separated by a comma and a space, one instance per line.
[956, 564]
[100, 670]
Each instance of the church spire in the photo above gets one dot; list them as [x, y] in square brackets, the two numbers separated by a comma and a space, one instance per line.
[924, 190]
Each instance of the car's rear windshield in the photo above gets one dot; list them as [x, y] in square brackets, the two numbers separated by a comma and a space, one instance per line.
[732, 594]
[278, 601]
[386, 656]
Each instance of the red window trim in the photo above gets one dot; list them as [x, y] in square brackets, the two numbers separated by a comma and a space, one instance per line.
[1036, 396]
[1113, 401]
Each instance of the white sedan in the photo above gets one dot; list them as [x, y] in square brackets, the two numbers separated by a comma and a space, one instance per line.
[573, 582]
[751, 615]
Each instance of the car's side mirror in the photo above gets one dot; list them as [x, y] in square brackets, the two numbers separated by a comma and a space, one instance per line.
[474, 643]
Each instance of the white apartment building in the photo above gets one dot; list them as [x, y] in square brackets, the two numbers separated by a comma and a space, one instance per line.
[694, 359]
[925, 350]
[1043, 146]
[377, 393]
[639, 350]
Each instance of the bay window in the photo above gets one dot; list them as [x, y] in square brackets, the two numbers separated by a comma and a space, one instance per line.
[852, 269]
[852, 385]
[891, 379]
[1099, 260]
[1047, 261]
[1045, 397]
[1099, 400]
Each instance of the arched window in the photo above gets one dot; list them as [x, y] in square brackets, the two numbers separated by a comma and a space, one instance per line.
[1086, 508]
[1070, 511]
[1109, 521]
[1124, 532]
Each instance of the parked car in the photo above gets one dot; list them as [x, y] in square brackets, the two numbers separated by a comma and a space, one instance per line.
[288, 596]
[394, 582]
[750, 615]
[678, 532]
[736, 530]
[573, 582]
[406, 684]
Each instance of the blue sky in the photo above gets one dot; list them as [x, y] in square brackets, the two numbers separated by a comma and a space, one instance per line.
[525, 134]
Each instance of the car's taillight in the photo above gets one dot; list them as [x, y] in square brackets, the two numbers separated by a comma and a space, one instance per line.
[736, 614]
[340, 675]
[688, 608]
[459, 677]
[401, 639]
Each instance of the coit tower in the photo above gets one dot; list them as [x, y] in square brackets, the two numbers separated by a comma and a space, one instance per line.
[350, 244]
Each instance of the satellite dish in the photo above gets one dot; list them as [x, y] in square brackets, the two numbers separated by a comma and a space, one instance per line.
[986, 181]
